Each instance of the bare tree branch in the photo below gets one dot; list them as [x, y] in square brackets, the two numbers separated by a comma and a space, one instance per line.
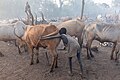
[83, 2]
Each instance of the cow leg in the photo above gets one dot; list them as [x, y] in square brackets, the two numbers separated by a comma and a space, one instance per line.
[53, 60]
[25, 48]
[52, 65]
[18, 46]
[91, 53]
[19, 50]
[37, 54]
[80, 41]
[116, 54]
[88, 46]
[31, 54]
[56, 65]
[1, 55]
[88, 55]
[114, 46]
[56, 57]
[80, 61]
[47, 58]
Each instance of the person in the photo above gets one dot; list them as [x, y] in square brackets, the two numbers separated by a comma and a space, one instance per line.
[73, 48]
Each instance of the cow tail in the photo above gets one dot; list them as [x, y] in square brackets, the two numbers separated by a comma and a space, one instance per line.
[84, 37]
[52, 34]
[50, 37]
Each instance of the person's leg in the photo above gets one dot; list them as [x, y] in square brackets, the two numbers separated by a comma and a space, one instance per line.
[70, 65]
[80, 61]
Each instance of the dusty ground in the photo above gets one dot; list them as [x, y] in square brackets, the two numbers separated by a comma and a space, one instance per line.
[16, 67]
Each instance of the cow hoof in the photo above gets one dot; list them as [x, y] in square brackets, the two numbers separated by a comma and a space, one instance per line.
[1, 55]
[56, 66]
[92, 56]
[116, 59]
[112, 58]
[51, 71]
[89, 58]
[37, 61]
[31, 63]
[20, 53]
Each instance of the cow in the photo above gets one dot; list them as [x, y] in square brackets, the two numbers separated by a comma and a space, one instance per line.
[72, 45]
[7, 32]
[32, 37]
[102, 32]
[74, 28]
[117, 52]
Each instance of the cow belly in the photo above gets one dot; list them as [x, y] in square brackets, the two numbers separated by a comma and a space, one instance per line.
[6, 35]
[110, 36]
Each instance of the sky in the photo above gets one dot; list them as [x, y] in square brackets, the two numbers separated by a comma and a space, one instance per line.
[109, 2]
[103, 1]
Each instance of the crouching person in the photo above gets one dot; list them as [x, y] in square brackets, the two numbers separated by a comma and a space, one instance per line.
[73, 48]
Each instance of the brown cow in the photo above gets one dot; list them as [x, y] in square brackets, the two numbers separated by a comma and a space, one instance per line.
[32, 38]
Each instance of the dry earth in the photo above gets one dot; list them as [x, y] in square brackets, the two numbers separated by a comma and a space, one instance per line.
[16, 67]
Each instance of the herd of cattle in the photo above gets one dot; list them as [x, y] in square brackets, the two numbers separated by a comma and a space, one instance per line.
[30, 36]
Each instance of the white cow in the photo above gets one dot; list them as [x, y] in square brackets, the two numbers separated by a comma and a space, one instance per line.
[102, 32]
[74, 28]
[8, 32]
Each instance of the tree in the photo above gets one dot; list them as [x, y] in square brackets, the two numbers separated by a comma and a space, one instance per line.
[83, 2]
[61, 4]
[116, 3]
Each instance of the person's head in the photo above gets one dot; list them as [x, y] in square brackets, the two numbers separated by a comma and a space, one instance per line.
[62, 31]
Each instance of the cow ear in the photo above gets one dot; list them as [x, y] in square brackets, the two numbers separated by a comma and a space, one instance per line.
[64, 39]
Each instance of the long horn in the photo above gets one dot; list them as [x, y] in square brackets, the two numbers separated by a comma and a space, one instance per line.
[32, 19]
[22, 20]
[19, 18]
[35, 18]
[42, 16]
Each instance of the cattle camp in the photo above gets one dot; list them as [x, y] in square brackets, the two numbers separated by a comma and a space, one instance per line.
[59, 39]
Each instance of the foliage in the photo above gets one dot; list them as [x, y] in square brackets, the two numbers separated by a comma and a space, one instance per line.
[116, 3]
[51, 8]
